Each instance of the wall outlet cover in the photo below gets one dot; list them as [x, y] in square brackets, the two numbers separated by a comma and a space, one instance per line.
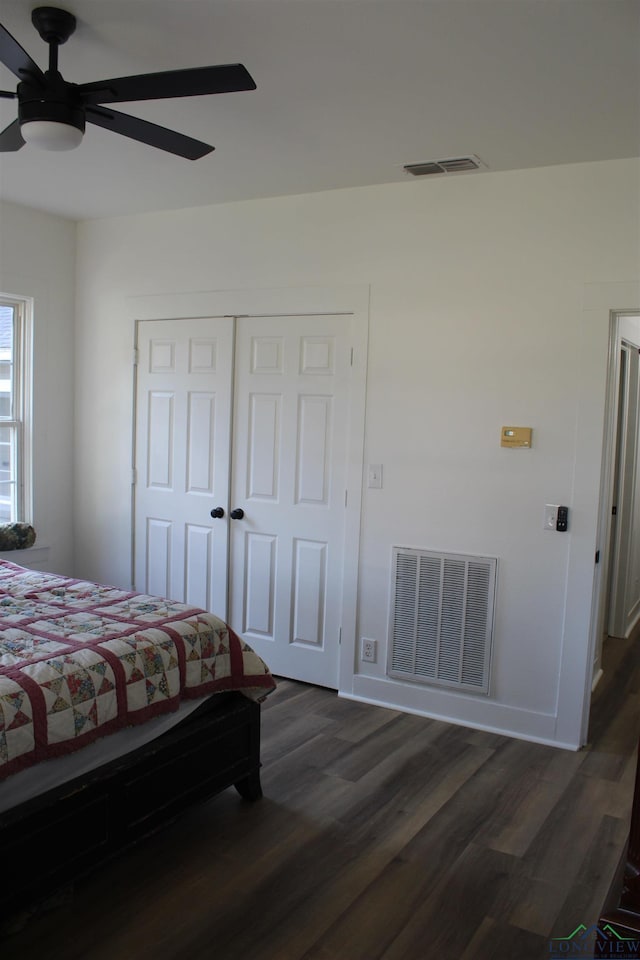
[368, 650]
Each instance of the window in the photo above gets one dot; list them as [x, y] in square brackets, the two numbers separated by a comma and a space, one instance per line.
[15, 433]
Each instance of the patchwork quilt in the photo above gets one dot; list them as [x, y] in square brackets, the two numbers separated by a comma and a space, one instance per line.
[79, 660]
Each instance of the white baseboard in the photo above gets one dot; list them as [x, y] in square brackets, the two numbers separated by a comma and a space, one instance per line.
[475, 712]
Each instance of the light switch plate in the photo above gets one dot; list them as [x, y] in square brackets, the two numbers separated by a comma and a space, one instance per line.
[375, 476]
[550, 516]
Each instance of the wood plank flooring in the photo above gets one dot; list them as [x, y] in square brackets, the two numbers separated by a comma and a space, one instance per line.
[381, 836]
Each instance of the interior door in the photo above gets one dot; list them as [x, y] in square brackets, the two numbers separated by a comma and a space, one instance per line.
[613, 589]
[277, 552]
[623, 590]
[183, 431]
[289, 481]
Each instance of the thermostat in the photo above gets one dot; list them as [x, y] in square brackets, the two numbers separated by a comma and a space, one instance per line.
[515, 437]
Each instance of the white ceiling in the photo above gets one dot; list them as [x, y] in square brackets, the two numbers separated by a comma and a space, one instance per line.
[348, 92]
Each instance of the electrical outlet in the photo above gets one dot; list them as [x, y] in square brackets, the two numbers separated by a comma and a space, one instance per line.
[368, 650]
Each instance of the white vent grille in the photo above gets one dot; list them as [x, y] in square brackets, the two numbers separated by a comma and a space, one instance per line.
[442, 618]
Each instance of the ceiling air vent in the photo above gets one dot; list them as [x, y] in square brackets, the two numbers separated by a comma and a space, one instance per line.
[451, 165]
[424, 169]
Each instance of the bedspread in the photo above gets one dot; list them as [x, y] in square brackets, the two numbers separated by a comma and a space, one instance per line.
[79, 660]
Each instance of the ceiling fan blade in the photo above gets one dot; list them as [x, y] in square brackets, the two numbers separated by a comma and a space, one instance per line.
[17, 59]
[193, 82]
[11, 138]
[151, 133]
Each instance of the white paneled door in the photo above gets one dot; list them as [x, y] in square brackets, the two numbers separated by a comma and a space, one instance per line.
[183, 436]
[247, 416]
[289, 462]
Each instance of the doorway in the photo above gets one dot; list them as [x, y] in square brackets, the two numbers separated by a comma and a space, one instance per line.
[243, 438]
[619, 526]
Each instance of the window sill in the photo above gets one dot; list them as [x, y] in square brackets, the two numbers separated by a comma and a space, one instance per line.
[32, 557]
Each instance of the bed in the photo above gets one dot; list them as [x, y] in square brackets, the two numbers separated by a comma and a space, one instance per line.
[117, 710]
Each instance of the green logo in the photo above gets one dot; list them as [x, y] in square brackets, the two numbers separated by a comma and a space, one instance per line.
[594, 943]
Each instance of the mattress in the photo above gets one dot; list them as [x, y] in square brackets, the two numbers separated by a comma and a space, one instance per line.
[81, 662]
[45, 776]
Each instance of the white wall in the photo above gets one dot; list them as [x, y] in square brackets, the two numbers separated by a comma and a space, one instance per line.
[477, 319]
[37, 260]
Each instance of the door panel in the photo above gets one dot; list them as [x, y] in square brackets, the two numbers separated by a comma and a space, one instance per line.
[289, 477]
[156, 542]
[263, 445]
[258, 586]
[182, 454]
[309, 592]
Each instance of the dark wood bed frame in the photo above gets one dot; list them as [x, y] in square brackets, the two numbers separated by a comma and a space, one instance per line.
[115, 805]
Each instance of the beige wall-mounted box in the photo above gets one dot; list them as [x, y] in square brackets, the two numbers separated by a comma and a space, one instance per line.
[515, 437]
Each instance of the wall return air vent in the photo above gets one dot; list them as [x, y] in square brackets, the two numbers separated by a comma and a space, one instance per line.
[451, 165]
[441, 625]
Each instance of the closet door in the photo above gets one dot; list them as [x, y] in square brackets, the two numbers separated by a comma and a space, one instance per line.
[289, 481]
[183, 423]
[274, 462]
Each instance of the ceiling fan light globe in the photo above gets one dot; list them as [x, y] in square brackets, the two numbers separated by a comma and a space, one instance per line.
[51, 135]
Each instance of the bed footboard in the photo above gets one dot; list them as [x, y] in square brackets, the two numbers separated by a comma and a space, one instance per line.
[55, 838]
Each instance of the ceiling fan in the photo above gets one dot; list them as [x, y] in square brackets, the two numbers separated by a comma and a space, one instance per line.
[52, 112]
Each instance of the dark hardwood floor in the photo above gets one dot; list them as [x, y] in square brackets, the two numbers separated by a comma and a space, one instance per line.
[381, 836]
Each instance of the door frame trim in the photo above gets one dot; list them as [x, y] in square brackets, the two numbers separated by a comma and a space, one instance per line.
[583, 588]
[349, 300]
[618, 338]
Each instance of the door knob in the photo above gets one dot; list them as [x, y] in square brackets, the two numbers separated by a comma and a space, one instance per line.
[237, 514]
[217, 512]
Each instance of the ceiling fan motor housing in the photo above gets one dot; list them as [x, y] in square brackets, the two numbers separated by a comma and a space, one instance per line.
[60, 105]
